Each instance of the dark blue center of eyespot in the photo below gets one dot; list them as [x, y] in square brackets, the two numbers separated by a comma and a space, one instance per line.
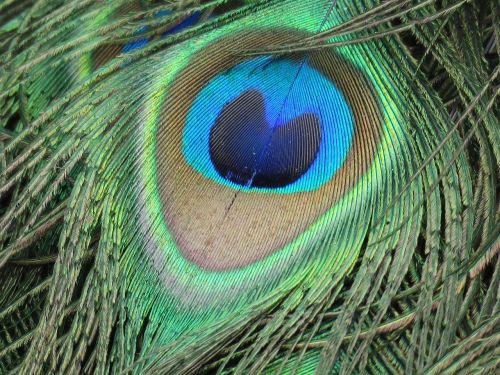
[247, 150]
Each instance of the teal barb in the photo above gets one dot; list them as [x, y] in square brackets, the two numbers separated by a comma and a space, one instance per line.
[266, 186]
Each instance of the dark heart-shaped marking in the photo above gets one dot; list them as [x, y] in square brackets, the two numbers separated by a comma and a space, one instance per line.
[247, 150]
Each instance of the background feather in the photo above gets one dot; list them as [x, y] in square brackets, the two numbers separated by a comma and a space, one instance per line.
[413, 286]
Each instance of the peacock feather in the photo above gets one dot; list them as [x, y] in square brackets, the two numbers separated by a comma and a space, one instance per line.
[247, 187]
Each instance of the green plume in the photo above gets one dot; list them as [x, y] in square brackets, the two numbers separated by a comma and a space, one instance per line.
[134, 239]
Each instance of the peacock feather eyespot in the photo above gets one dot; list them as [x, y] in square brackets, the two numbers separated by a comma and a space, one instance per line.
[250, 152]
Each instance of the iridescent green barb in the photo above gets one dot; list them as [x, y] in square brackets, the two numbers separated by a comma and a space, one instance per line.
[266, 186]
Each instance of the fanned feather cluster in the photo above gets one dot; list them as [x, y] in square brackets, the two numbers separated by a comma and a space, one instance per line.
[249, 187]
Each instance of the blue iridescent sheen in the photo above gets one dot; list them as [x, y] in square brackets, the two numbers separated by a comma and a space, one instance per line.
[136, 44]
[287, 95]
[139, 43]
[188, 22]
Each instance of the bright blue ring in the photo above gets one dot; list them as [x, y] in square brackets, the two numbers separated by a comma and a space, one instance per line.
[310, 92]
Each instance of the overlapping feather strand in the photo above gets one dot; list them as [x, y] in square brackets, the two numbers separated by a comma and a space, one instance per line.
[242, 187]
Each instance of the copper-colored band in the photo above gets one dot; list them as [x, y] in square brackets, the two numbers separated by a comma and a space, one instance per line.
[219, 228]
